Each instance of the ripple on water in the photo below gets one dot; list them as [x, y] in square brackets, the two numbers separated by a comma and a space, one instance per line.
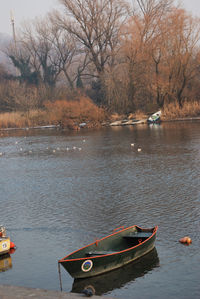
[54, 203]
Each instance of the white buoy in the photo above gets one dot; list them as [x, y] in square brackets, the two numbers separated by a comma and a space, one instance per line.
[74, 147]
[132, 144]
[54, 151]
[1, 154]
[83, 140]
[67, 148]
[79, 148]
[139, 149]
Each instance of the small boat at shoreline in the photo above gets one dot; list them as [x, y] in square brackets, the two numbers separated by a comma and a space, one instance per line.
[154, 118]
[5, 244]
[121, 247]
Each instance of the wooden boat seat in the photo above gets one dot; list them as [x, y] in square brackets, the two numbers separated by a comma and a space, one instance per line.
[142, 235]
[95, 253]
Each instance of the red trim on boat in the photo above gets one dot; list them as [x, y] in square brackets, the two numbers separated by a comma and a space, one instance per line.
[64, 259]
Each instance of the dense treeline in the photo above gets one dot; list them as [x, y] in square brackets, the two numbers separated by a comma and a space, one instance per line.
[125, 58]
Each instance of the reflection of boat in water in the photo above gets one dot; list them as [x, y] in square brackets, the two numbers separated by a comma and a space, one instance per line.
[5, 262]
[118, 278]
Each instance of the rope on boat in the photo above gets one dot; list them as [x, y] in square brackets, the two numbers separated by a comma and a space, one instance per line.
[59, 272]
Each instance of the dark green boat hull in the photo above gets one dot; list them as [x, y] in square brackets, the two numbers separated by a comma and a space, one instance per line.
[110, 253]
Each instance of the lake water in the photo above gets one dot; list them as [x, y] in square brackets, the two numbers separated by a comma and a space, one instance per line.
[60, 191]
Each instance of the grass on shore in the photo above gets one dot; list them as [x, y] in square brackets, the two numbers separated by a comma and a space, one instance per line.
[21, 119]
[68, 114]
[173, 111]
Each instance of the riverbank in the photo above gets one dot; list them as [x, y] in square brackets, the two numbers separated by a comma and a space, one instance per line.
[116, 123]
[182, 119]
[66, 116]
[13, 292]
[71, 115]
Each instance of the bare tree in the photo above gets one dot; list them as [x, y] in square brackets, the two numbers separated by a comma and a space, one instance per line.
[72, 58]
[44, 54]
[96, 25]
[65, 50]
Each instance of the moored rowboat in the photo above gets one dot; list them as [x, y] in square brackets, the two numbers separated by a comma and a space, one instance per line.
[111, 252]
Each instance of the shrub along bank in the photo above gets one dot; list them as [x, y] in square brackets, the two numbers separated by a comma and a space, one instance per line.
[66, 114]
[71, 114]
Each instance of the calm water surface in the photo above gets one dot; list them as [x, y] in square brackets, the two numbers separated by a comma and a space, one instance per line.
[60, 191]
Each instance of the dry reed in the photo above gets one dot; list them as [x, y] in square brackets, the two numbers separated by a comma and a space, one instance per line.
[71, 113]
[23, 119]
[173, 111]
[66, 113]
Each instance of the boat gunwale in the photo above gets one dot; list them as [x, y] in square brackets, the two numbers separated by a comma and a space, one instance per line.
[4, 238]
[65, 259]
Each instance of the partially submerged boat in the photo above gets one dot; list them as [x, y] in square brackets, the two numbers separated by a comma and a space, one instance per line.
[5, 243]
[154, 118]
[123, 246]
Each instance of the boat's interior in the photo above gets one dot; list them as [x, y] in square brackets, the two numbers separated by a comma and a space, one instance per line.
[114, 243]
[125, 242]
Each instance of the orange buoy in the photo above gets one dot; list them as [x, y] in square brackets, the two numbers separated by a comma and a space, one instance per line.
[185, 240]
[12, 245]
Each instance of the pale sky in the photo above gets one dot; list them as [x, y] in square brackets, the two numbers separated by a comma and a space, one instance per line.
[29, 9]
[23, 10]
